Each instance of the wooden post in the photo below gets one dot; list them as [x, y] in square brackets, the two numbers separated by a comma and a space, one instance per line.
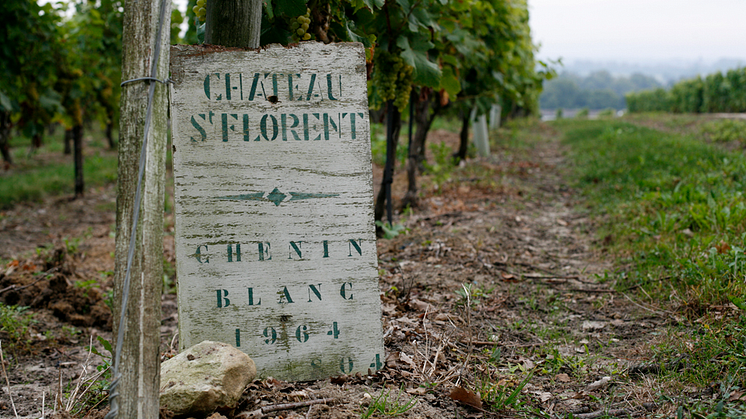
[140, 363]
[233, 23]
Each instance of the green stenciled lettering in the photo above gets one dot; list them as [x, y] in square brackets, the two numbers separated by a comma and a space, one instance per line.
[199, 128]
[223, 300]
[285, 128]
[327, 122]
[345, 289]
[198, 254]
[307, 128]
[346, 362]
[357, 247]
[226, 127]
[295, 247]
[329, 86]
[301, 333]
[353, 127]
[246, 128]
[318, 117]
[228, 86]
[315, 290]
[335, 331]
[271, 334]
[220, 96]
[292, 87]
[326, 248]
[376, 364]
[251, 298]
[263, 127]
[274, 83]
[310, 87]
[285, 296]
[207, 86]
[238, 252]
[254, 84]
[240, 84]
[316, 363]
[264, 251]
[238, 338]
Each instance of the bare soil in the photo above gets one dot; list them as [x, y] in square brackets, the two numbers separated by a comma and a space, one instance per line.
[497, 284]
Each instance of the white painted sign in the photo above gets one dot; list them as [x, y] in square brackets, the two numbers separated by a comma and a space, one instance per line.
[275, 241]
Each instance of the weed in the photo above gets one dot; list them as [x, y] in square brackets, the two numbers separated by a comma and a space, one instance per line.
[725, 130]
[387, 405]
[500, 396]
[441, 170]
[16, 323]
[391, 231]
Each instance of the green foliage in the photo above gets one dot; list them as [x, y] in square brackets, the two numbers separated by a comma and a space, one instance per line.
[674, 204]
[391, 231]
[725, 130]
[674, 211]
[53, 179]
[716, 92]
[501, 396]
[598, 90]
[387, 404]
[582, 114]
[15, 322]
[441, 169]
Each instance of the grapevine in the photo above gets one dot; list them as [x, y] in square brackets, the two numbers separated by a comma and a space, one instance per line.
[299, 27]
[392, 78]
[200, 10]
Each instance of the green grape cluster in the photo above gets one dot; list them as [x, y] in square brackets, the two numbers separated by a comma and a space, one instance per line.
[299, 27]
[200, 10]
[392, 78]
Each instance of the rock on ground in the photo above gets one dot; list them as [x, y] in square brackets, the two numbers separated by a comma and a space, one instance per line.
[206, 377]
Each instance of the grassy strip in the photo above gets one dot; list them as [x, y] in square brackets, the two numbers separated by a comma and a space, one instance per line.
[673, 210]
[56, 179]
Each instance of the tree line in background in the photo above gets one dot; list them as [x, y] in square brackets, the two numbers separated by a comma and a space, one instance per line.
[426, 57]
[598, 90]
[59, 70]
[715, 92]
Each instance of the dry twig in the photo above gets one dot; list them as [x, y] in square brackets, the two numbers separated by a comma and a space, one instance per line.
[7, 381]
[262, 411]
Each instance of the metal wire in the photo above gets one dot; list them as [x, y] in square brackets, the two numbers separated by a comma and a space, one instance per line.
[113, 389]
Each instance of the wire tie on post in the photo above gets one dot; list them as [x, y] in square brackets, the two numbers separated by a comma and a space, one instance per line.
[147, 78]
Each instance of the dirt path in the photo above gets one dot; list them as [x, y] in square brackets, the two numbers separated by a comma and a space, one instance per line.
[495, 287]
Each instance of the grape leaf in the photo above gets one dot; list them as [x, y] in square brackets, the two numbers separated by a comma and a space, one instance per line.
[450, 82]
[426, 72]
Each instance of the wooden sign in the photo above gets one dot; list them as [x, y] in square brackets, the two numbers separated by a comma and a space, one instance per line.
[275, 241]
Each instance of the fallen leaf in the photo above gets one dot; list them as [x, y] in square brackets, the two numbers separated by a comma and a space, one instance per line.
[466, 397]
[737, 396]
[406, 359]
[563, 378]
[723, 247]
[598, 384]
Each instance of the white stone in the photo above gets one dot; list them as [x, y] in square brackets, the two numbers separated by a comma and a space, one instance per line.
[204, 378]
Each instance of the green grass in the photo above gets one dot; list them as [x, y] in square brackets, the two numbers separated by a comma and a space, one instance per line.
[34, 178]
[672, 204]
[671, 208]
[55, 179]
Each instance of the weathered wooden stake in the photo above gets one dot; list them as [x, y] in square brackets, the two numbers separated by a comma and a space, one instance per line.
[233, 23]
[140, 363]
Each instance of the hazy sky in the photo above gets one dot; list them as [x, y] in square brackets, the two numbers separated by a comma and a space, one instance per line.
[639, 30]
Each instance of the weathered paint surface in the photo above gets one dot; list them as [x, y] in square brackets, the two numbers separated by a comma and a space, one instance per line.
[275, 242]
